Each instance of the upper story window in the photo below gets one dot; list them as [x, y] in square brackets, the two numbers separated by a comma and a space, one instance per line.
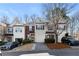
[18, 30]
[61, 26]
[30, 28]
[15, 30]
[10, 30]
[50, 28]
[40, 27]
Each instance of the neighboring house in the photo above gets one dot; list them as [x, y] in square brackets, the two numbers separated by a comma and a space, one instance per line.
[18, 32]
[8, 35]
[76, 35]
[37, 30]
[31, 31]
[62, 28]
[2, 30]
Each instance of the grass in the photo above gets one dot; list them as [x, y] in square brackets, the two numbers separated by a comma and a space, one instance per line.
[57, 46]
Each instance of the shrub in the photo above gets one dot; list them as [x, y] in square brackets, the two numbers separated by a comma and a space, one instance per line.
[27, 41]
[49, 40]
[2, 43]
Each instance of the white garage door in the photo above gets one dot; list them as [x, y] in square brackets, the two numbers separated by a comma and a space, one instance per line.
[39, 36]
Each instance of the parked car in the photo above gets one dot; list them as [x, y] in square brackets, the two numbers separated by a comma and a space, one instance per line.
[9, 46]
[2, 43]
[70, 41]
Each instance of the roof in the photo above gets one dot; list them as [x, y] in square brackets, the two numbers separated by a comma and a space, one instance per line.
[19, 25]
[40, 20]
[16, 21]
[2, 24]
[62, 21]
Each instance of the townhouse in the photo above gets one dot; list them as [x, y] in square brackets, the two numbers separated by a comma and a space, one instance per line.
[37, 30]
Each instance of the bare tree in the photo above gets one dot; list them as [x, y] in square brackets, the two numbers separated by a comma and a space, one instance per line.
[4, 20]
[57, 12]
[33, 17]
[26, 18]
[74, 23]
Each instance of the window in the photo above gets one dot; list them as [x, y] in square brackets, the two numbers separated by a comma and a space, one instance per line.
[61, 26]
[30, 28]
[40, 27]
[50, 27]
[15, 30]
[18, 30]
[10, 29]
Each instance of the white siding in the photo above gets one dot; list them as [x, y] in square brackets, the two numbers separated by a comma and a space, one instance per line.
[61, 35]
[39, 35]
[19, 34]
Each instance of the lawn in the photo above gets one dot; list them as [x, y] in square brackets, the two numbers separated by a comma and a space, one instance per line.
[57, 45]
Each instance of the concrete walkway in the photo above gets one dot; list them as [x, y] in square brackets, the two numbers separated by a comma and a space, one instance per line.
[40, 46]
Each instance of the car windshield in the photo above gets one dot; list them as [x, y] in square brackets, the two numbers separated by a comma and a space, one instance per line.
[9, 43]
[71, 39]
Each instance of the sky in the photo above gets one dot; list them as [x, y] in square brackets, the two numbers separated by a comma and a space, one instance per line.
[21, 9]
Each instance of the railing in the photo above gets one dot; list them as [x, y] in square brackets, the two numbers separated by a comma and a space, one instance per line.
[49, 30]
[9, 33]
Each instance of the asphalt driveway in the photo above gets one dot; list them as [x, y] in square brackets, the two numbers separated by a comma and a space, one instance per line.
[40, 46]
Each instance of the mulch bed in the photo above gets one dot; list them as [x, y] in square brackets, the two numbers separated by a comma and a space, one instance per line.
[57, 46]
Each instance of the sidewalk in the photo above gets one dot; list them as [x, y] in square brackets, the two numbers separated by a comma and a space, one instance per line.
[75, 47]
[36, 54]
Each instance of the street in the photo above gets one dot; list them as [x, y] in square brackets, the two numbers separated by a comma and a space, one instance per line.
[64, 52]
[55, 52]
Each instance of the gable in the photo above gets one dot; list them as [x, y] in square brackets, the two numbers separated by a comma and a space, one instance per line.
[16, 21]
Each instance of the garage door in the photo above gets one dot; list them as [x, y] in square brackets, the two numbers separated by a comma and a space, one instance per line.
[39, 36]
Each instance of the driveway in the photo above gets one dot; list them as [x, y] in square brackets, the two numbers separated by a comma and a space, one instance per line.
[40, 46]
